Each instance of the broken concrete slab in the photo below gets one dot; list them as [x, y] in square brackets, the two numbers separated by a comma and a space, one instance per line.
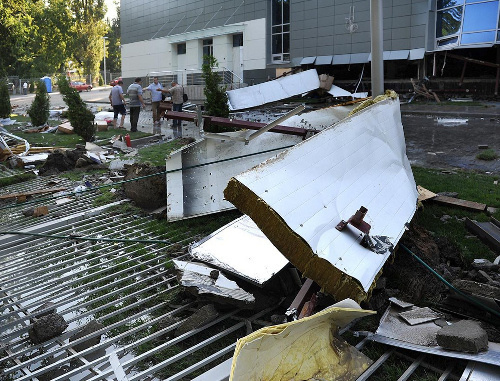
[241, 249]
[422, 338]
[299, 197]
[463, 336]
[304, 349]
[47, 327]
[476, 288]
[89, 328]
[400, 303]
[419, 315]
[202, 316]
[209, 284]
[149, 192]
[271, 91]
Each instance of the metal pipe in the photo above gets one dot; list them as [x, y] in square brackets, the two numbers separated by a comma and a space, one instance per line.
[377, 46]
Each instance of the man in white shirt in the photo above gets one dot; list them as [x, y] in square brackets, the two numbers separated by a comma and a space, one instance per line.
[155, 89]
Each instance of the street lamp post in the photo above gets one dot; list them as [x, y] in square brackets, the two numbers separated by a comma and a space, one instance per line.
[104, 50]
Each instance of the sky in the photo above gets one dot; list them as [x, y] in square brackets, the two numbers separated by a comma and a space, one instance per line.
[111, 14]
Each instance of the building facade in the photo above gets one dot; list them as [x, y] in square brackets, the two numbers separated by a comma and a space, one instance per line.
[256, 40]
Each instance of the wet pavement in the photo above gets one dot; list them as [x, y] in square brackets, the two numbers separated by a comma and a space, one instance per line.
[444, 136]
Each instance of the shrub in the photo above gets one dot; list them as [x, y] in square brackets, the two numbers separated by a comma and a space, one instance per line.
[216, 103]
[488, 155]
[32, 87]
[5, 108]
[39, 110]
[80, 117]
[101, 81]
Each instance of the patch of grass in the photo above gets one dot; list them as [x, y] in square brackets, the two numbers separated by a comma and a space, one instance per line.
[57, 139]
[5, 181]
[105, 197]
[156, 154]
[470, 185]
[488, 155]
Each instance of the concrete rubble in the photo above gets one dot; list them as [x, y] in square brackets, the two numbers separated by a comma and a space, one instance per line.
[463, 336]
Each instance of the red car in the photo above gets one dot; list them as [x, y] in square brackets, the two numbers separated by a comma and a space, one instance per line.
[80, 86]
[115, 81]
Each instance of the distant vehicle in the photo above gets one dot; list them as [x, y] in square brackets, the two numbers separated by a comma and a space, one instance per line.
[115, 81]
[80, 86]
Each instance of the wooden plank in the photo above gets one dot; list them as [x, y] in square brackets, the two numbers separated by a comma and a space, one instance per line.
[451, 201]
[31, 193]
[66, 128]
[488, 232]
[424, 194]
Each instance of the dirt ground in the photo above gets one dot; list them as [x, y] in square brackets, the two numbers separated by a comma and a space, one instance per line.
[444, 137]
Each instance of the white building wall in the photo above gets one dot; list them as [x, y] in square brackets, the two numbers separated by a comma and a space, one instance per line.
[160, 55]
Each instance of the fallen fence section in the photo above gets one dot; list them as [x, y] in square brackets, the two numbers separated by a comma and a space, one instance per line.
[241, 249]
[199, 190]
[273, 91]
[299, 198]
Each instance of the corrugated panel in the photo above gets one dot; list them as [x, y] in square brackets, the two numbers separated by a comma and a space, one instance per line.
[341, 59]
[399, 55]
[308, 60]
[416, 54]
[273, 91]
[324, 60]
[299, 197]
[295, 61]
[359, 58]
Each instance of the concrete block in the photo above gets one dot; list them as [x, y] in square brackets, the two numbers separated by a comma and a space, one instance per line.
[91, 327]
[463, 336]
[477, 288]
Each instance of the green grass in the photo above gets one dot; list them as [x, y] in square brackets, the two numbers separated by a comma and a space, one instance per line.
[63, 140]
[156, 154]
[470, 186]
[488, 155]
[104, 197]
[5, 181]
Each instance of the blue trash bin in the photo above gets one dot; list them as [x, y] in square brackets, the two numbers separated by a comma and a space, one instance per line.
[48, 83]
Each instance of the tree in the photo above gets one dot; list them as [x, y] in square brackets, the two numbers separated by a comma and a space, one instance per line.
[80, 117]
[5, 107]
[113, 51]
[216, 103]
[88, 30]
[40, 108]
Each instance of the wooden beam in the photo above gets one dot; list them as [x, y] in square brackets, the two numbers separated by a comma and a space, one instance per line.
[471, 60]
[31, 193]
[451, 201]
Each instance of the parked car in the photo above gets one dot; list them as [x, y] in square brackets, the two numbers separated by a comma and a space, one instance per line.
[80, 86]
[115, 81]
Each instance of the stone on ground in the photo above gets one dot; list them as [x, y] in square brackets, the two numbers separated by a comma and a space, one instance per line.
[463, 336]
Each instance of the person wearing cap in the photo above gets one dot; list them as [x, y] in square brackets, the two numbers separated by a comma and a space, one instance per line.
[134, 92]
[118, 102]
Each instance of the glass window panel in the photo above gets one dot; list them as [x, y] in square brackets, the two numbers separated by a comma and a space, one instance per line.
[181, 48]
[448, 3]
[449, 41]
[237, 39]
[448, 21]
[286, 57]
[480, 16]
[286, 11]
[277, 44]
[277, 10]
[286, 28]
[208, 41]
[277, 29]
[286, 42]
[475, 38]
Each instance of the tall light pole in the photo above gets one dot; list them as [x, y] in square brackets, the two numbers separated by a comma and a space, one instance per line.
[104, 51]
[377, 45]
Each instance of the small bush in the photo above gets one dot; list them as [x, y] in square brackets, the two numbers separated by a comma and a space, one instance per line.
[40, 108]
[487, 155]
[216, 103]
[101, 81]
[32, 87]
[80, 117]
[5, 108]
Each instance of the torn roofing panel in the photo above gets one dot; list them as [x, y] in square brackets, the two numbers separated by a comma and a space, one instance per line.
[240, 248]
[272, 91]
[298, 198]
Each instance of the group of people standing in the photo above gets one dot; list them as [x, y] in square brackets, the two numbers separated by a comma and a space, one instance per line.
[136, 101]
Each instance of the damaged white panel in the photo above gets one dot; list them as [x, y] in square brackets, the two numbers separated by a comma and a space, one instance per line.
[310, 188]
[210, 282]
[338, 92]
[198, 189]
[240, 248]
[273, 91]
[319, 119]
